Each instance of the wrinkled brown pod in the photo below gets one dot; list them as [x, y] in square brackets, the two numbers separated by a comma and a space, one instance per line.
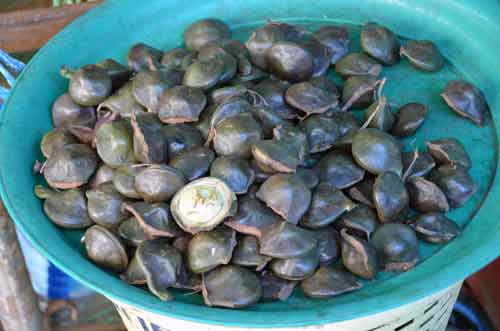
[435, 228]
[336, 38]
[297, 268]
[359, 256]
[390, 197]
[124, 180]
[149, 143]
[275, 288]
[409, 118]
[143, 57]
[194, 162]
[247, 253]
[205, 31]
[89, 85]
[455, 182]
[104, 205]
[362, 191]
[181, 104]
[425, 196]
[328, 282]
[154, 219]
[380, 43]
[285, 240]
[339, 169]
[275, 156]
[362, 220]
[67, 112]
[56, 139]
[448, 151]
[235, 172]
[466, 100]
[105, 249]
[423, 55]
[158, 183]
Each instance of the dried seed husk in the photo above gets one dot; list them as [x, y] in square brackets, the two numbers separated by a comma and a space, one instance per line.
[263, 38]
[262, 173]
[380, 43]
[377, 151]
[466, 100]
[328, 282]
[362, 191]
[409, 118]
[285, 240]
[344, 143]
[290, 61]
[420, 166]
[448, 151]
[67, 112]
[328, 245]
[157, 183]
[423, 55]
[67, 209]
[275, 156]
[235, 172]
[207, 250]
[154, 219]
[70, 166]
[324, 83]
[327, 205]
[455, 182]
[276, 288]
[105, 249]
[397, 246]
[181, 137]
[118, 73]
[339, 169]
[294, 137]
[203, 204]
[425, 196]
[380, 115]
[267, 118]
[309, 177]
[358, 91]
[149, 142]
[228, 108]
[247, 253]
[193, 163]
[390, 197]
[56, 139]
[178, 58]
[181, 104]
[143, 57]
[286, 195]
[253, 217]
[359, 256]
[236, 135]
[88, 85]
[361, 219]
[162, 265]
[204, 74]
[346, 121]
[122, 102]
[104, 205]
[357, 64]
[321, 131]
[336, 38]
[114, 143]
[297, 268]
[215, 52]
[182, 243]
[321, 56]
[254, 76]
[132, 233]
[134, 274]
[231, 287]
[103, 175]
[310, 99]
[273, 92]
[124, 179]
[149, 86]
[435, 228]
[204, 32]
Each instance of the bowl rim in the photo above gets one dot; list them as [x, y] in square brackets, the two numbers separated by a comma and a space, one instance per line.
[431, 276]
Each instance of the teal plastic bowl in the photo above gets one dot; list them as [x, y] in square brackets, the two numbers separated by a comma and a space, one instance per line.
[468, 34]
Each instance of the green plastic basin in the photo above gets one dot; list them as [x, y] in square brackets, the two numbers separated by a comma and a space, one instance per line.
[468, 34]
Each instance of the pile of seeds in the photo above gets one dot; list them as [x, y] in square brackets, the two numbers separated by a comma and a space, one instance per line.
[239, 170]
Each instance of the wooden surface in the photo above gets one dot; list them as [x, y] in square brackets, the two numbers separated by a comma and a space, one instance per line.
[25, 30]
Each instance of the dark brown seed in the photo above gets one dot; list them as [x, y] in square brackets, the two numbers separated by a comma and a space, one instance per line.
[118, 73]
[361, 219]
[178, 58]
[276, 288]
[397, 246]
[380, 43]
[286, 195]
[346, 121]
[327, 205]
[132, 233]
[204, 74]
[124, 180]
[208, 250]
[247, 253]
[150, 145]
[205, 31]
[134, 274]
[149, 86]
[435, 228]
[214, 52]
[121, 151]
[309, 177]
[336, 38]
[122, 102]
[294, 137]
[455, 182]
[181, 104]
[181, 137]
[409, 118]
[362, 191]
[448, 151]
[275, 156]
[285, 240]
[143, 57]
[359, 256]
[357, 64]
[104, 205]
[56, 139]
[193, 163]
[103, 175]
[88, 86]
[390, 197]
[310, 99]
[423, 54]
[231, 287]
[236, 135]
[290, 61]
[358, 91]
[105, 249]
[154, 219]
[182, 243]
[66, 112]
[328, 245]
[273, 91]
[419, 166]
[297, 268]
[158, 183]
[379, 115]
[425, 196]
[321, 55]
[235, 172]
[339, 169]
[328, 282]
[322, 132]
[466, 100]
